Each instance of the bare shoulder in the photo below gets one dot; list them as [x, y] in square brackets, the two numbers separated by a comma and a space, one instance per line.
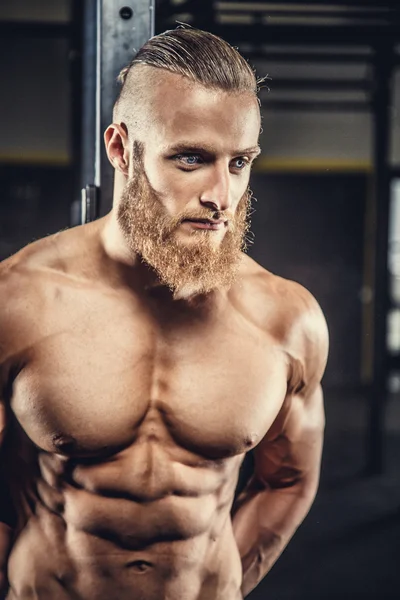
[55, 253]
[289, 313]
[285, 301]
[19, 272]
[18, 282]
[25, 278]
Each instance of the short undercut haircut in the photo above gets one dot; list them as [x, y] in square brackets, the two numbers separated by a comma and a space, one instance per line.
[200, 56]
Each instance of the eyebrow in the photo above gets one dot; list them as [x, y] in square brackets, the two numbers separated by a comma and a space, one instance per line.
[184, 147]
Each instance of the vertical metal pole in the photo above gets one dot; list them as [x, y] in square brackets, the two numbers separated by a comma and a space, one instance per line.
[125, 27]
[90, 130]
[383, 77]
[75, 59]
[113, 32]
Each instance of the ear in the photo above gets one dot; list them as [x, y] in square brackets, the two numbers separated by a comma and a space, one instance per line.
[116, 142]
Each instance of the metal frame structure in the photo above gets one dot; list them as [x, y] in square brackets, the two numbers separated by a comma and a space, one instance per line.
[363, 32]
[112, 34]
[349, 22]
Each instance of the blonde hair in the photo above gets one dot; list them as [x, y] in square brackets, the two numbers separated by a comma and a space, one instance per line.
[198, 55]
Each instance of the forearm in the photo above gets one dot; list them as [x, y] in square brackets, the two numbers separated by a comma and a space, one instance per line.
[263, 523]
[5, 545]
[7, 528]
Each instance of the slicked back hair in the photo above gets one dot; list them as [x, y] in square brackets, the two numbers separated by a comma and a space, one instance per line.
[200, 56]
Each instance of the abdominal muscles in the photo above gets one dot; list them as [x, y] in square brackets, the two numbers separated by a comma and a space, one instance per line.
[139, 525]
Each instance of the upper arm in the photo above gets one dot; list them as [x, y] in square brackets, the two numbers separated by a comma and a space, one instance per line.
[16, 308]
[6, 288]
[7, 512]
[290, 453]
[2, 376]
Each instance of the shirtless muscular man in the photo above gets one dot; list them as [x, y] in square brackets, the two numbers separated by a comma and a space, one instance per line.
[144, 354]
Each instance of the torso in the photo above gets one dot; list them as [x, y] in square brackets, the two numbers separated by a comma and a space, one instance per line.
[127, 434]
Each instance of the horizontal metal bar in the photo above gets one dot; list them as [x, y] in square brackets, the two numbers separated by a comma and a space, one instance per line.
[249, 20]
[351, 4]
[328, 106]
[32, 29]
[304, 7]
[309, 57]
[381, 15]
[307, 34]
[316, 58]
[322, 84]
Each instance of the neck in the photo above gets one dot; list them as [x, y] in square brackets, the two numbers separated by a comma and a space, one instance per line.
[118, 251]
[112, 237]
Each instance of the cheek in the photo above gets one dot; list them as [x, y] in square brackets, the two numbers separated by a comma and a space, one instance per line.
[176, 193]
[162, 177]
[174, 186]
[240, 186]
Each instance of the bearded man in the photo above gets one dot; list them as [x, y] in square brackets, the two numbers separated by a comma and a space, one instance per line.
[144, 354]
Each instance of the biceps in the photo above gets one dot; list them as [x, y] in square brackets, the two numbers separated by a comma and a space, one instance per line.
[294, 453]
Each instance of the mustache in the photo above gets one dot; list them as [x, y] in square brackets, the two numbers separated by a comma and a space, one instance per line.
[215, 215]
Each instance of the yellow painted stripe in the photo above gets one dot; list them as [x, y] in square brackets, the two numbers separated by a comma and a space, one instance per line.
[311, 165]
[37, 158]
[263, 164]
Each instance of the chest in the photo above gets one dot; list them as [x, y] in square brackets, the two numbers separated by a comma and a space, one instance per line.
[104, 377]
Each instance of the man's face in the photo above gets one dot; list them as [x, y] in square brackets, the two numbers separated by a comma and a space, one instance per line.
[194, 164]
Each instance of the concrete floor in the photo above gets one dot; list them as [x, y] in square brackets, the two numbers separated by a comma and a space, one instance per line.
[349, 545]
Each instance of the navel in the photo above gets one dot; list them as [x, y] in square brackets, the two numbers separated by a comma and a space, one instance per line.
[140, 566]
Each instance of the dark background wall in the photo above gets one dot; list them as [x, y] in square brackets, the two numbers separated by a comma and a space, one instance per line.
[35, 201]
[311, 228]
[313, 223]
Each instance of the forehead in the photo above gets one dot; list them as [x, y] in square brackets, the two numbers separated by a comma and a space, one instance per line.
[180, 109]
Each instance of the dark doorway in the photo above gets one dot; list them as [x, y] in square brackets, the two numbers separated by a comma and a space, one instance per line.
[310, 228]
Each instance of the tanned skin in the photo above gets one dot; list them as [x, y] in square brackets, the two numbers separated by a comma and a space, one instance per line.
[127, 410]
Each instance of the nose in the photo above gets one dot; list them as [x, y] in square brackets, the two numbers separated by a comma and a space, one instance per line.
[217, 193]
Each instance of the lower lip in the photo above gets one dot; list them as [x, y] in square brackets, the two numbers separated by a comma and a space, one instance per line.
[212, 226]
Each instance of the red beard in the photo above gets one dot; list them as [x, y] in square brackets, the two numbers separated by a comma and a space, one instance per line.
[150, 232]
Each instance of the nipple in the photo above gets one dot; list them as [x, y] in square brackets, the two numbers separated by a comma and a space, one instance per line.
[140, 566]
[64, 444]
[251, 439]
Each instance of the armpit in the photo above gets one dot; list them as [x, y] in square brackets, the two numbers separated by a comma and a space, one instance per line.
[296, 381]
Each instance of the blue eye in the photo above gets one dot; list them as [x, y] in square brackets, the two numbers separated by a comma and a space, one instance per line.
[189, 159]
[243, 163]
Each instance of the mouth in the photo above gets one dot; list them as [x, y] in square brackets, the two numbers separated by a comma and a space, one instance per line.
[206, 223]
